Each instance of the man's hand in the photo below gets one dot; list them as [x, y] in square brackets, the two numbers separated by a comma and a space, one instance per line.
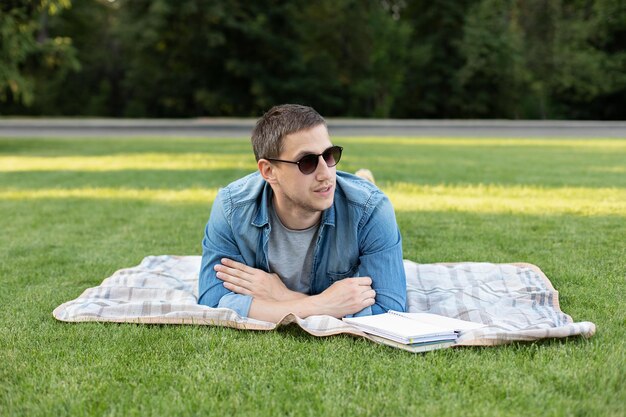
[348, 296]
[242, 279]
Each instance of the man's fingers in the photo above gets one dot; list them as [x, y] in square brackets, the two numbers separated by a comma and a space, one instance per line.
[367, 281]
[370, 294]
[236, 289]
[369, 297]
[231, 279]
[230, 271]
[236, 265]
[364, 281]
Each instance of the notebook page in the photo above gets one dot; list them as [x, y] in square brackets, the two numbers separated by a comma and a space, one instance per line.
[396, 325]
[441, 322]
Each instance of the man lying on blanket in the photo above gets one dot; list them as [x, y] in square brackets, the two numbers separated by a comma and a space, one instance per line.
[297, 236]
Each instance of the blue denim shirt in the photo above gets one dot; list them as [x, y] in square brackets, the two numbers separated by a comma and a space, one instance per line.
[358, 236]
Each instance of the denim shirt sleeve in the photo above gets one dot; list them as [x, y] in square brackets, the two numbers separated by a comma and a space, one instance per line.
[380, 246]
[219, 242]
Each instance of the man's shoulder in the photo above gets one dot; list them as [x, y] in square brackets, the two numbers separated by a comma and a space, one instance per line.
[244, 189]
[357, 190]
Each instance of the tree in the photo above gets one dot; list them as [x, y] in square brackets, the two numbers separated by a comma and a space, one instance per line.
[355, 63]
[493, 78]
[431, 88]
[591, 60]
[26, 50]
[383, 58]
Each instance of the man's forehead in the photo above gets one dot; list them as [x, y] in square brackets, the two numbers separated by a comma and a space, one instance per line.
[313, 140]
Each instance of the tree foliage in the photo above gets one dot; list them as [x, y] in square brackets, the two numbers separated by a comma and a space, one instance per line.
[366, 58]
[27, 52]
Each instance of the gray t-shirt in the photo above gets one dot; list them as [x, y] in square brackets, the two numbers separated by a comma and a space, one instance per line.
[290, 253]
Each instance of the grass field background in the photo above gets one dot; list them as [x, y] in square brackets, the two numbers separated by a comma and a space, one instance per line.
[73, 211]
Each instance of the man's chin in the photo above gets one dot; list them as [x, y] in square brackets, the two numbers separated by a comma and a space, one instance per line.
[320, 205]
[324, 205]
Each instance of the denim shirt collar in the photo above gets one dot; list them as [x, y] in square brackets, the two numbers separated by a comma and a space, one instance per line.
[261, 218]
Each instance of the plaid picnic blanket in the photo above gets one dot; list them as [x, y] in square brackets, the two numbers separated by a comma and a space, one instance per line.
[517, 302]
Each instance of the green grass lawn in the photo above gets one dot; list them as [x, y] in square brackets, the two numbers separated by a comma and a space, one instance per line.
[72, 211]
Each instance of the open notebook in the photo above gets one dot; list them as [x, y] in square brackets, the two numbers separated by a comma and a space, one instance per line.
[414, 329]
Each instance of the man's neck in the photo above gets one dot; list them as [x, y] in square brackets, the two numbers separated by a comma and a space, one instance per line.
[295, 218]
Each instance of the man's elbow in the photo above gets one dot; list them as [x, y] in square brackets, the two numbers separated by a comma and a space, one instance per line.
[210, 293]
[206, 300]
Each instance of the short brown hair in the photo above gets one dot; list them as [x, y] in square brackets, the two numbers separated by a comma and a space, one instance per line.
[278, 122]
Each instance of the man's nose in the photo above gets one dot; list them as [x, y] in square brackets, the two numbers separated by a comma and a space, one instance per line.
[322, 171]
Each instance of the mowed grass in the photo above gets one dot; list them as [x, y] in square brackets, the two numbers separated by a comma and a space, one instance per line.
[73, 211]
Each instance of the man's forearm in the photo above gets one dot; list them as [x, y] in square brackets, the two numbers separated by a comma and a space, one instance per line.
[294, 295]
[347, 296]
[273, 311]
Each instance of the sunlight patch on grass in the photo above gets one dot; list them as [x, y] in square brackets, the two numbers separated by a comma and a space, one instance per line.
[614, 170]
[191, 195]
[143, 161]
[599, 143]
[404, 196]
[509, 199]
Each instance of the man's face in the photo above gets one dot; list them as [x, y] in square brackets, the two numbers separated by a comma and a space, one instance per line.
[313, 192]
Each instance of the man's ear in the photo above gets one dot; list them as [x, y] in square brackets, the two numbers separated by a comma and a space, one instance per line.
[267, 170]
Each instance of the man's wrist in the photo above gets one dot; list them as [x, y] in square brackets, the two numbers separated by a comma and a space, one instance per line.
[289, 295]
[318, 304]
[274, 311]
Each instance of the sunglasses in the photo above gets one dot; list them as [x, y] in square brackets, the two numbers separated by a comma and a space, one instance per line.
[308, 163]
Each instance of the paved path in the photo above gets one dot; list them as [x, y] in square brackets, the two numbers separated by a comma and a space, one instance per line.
[224, 128]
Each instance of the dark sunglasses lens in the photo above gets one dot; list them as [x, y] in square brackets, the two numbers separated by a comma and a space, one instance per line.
[308, 163]
[332, 156]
